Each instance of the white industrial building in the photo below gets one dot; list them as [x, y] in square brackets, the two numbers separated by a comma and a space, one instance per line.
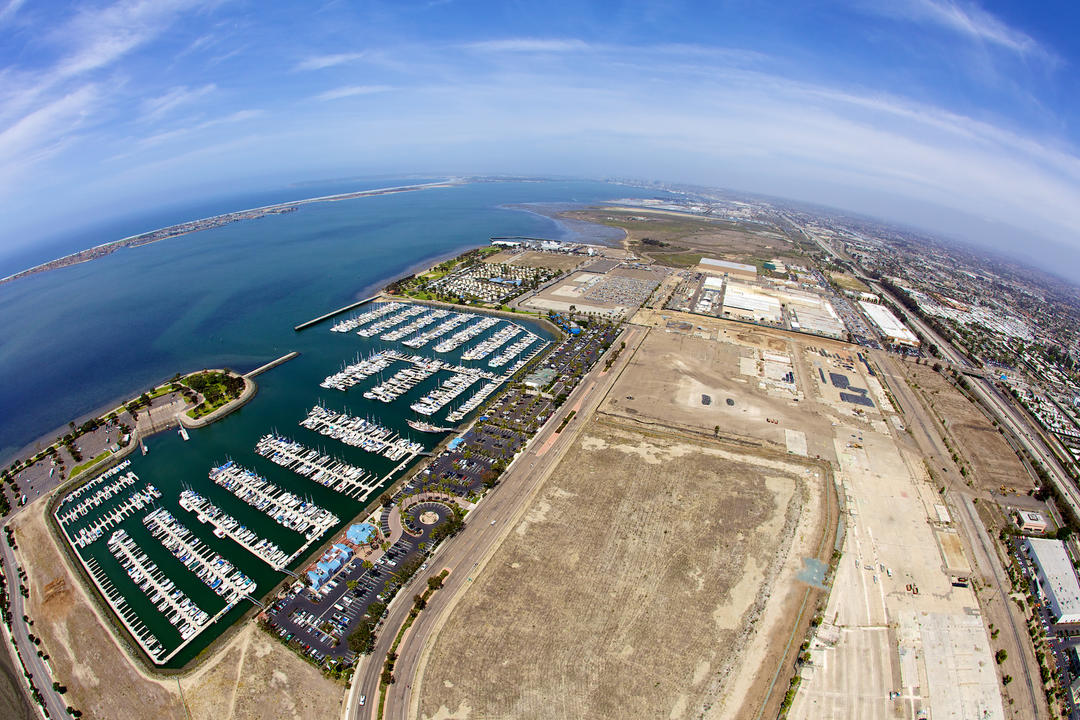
[724, 267]
[748, 303]
[890, 327]
[1057, 580]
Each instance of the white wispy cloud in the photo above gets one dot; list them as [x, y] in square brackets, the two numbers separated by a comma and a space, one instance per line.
[530, 45]
[321, 62]
[10, 8]
[351, 91]
[966, 19]
[44, 132]
[170, 135]
[158, 107]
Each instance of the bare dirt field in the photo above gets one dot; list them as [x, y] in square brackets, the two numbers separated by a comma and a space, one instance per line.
[629, 588]
[680, 240]
[982, 446]
[253, 677]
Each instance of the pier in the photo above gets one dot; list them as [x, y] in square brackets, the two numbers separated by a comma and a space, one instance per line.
[225, 524]
[282, 506]
[419, 324]
[349, 375]
[216, 572]
[482, 349]
[361, 433]
[513, 351]
[332, 313]
[392, 321]
[399, 383]
[444, 327]
[323, 469]
[463, 336]
[135, 627]
[447, 391]
[270, 365]
[473, 402]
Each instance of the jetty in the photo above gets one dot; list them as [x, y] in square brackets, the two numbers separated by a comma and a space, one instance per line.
[332, 313]
[271, 365]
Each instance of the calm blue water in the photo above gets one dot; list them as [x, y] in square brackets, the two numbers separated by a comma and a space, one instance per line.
[77, 339]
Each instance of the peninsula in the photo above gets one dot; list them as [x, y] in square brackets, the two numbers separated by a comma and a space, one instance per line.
[209, 223]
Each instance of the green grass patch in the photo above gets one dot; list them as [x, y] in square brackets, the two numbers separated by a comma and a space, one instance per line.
[89, 463]
[217, 389]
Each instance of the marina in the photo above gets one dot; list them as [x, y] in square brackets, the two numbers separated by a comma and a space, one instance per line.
[473, 402]
[484, 348]
[418, 324]
[441, 329]
[447, 391]
[400, 383]
[285, 508]
[113, 517]
[463, 336]
[178, 608]
[360, 432]
[392, 321]
[350, 375]
[323, 469]
[226, 525]
[213, 570]
[513, 351]
[356, 321]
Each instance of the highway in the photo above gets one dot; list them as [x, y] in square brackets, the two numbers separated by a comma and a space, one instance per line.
[465, 555]
[1012, 419]
[42, 679]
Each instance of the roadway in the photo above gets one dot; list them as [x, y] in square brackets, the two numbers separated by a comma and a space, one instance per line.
[487, 525]
[42, 678]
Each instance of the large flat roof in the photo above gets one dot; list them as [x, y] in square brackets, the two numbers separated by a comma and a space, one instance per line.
[887, 323]
[727, 265]
[1061, 580]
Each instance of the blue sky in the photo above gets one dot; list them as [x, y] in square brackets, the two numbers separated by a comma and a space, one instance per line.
[954, 115]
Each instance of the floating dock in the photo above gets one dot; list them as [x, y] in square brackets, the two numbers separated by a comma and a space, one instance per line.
[360, 433]
[228, 526]
[216, 572]
[282, 506]
[329, 472]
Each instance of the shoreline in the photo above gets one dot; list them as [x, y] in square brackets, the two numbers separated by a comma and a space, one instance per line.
[145, 238]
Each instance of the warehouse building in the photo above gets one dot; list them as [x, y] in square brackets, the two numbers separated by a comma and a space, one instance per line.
[730, 269]
[892, 330]
[1057, 581]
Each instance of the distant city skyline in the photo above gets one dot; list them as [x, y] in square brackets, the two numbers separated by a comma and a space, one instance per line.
[957, 117]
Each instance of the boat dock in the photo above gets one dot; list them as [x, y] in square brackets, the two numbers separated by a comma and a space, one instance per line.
[332, 313]
[282, 506]
[135, 627]
[97, 529]
[323, 469]
[392, 321]
[216, 572]
[513, 351]
[351, 323]
[79, 492]
[399, 383]
[482, 349]
[418, 324]
[361, 433]
[228, 526]
[441, 329]
[178, 608]
[468, 333]
[447, 391]
[473, 402]
[350, 375]
[270, 366]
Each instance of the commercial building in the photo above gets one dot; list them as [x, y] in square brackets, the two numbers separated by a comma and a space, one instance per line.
[1057, 581]
[892, 330]
[1031, 521]
[331, 561]
[724, 267]
[744, 302]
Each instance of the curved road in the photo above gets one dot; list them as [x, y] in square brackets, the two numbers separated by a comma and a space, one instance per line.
[465, 554]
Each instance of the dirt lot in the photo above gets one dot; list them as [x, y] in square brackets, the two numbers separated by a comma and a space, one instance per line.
[253, 677]
[532, 258]
[679, 240]
[636, 538]
[849, 282]
[981, 445]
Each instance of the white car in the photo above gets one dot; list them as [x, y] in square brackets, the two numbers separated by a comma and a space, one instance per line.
[363, 699]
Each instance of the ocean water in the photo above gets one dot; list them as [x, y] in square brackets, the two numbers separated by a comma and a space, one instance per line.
[77, 339]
